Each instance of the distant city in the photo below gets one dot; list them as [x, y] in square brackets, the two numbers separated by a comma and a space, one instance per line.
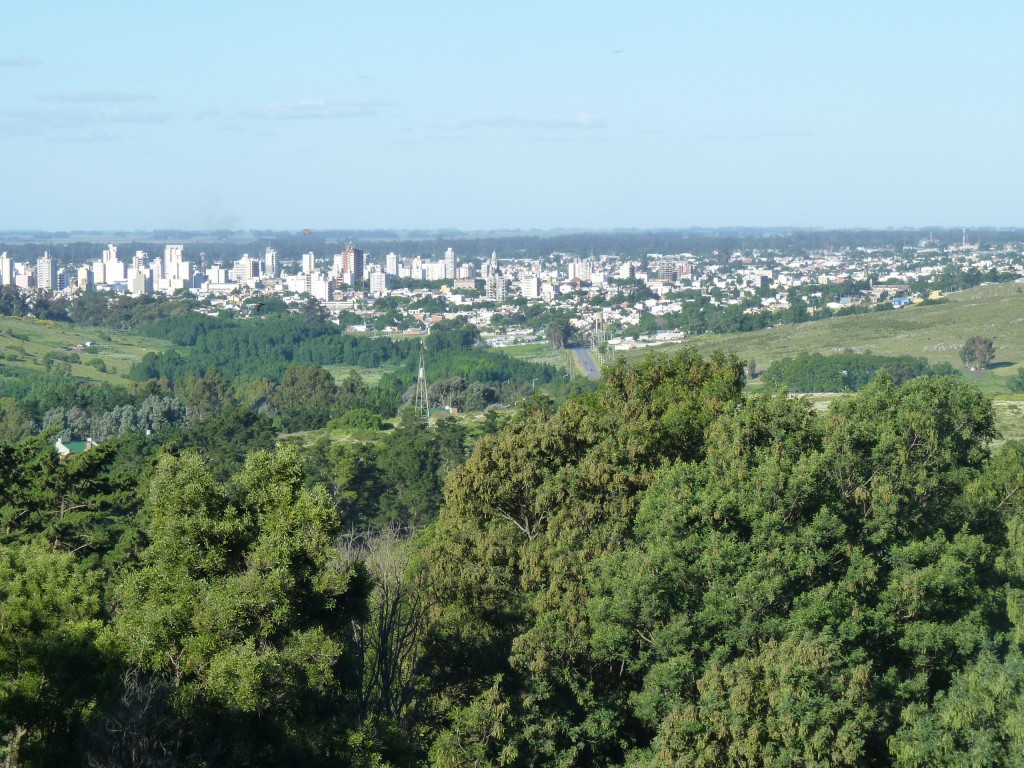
[625, 301]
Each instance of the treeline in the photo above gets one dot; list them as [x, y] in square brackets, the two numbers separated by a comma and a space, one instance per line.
[847, 371]
[277, 352]
[260, 347]
[37, 392]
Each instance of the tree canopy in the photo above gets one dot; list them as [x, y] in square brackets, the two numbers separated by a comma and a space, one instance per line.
[664, 571]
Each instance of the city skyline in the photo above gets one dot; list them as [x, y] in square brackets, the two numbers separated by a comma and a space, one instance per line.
[532, 117]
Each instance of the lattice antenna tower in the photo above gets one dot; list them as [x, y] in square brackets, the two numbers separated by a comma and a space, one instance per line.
[421, 405]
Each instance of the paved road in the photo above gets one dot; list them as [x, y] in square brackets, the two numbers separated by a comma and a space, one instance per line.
[590, 369]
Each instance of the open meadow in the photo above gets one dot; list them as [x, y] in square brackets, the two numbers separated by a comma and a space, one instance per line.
[934, 331]
[29, 343]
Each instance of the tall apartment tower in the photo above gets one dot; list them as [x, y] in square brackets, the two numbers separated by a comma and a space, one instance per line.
[352, 263]
[580, 269]
[6, 269]
[308, 263]
[449, 264]
[113, 269]
[173, 254]
[391, 263]
[530, 287]
[270, 268]
[85, 280]
[246, 268]
[46, 273]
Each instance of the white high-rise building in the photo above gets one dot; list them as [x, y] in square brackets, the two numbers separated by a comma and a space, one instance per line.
[530, 287]
[449, 264]
[308, 263]
[246, 269]
[270, 266]
[391, 263]
[217, 274]
[6, 269]
[379, 283]
[579, 269]
[113, 268]
[172, 255]
[139, 260]
[318, 286]
[437, 270]
[338, 265]
[46, 273]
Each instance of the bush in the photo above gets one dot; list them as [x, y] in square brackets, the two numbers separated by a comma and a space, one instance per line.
[1016, 382]
[357, 418]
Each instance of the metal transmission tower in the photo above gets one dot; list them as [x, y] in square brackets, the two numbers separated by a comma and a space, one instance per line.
[421, 405]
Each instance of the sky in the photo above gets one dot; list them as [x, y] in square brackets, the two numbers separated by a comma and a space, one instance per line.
[526, 115]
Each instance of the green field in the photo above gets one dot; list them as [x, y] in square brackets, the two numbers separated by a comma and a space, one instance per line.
[543, 352]
[936, 332]
[25, 342]
[371, 376]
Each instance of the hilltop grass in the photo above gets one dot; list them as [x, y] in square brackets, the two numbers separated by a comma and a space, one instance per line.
[935, 332]
[25, 342]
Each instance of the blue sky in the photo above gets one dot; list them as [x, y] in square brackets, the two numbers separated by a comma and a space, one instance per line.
[286, 115]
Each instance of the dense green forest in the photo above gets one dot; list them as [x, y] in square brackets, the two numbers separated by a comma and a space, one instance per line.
[668, 571]
[847, 371]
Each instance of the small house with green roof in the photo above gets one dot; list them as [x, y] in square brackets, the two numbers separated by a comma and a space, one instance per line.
[72, 447]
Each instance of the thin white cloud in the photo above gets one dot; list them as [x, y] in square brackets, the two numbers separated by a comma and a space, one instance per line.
[85, 137]
[80, 115]
[580, 120]
[97, 97]
[312, 109]
[55, 121]
[19, 61]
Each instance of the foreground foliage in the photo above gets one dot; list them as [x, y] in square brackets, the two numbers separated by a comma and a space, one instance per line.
[665, 572]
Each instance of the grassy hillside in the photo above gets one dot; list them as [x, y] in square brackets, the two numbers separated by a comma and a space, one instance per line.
[26, 342]
[935, 332]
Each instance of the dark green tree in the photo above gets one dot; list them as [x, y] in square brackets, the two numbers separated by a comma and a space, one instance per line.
[242, 605]
[306, 398]
[79, 504]
[50, 669]
[512, 555]
[558, 332]
[977, 353]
